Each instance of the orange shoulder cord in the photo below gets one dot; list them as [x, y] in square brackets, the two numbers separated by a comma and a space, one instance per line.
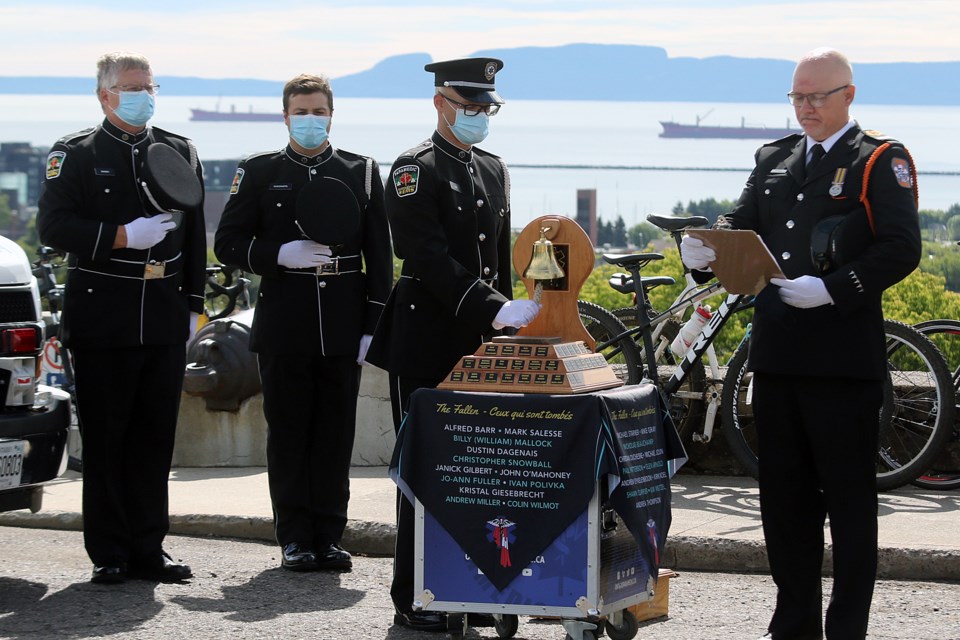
[866, 181]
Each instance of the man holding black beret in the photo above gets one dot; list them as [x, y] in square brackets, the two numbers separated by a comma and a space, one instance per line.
[309, 220]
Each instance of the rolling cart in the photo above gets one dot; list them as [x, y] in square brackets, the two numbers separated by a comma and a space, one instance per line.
[587, 577]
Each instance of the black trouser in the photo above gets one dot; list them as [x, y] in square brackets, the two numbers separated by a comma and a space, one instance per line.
[401, 591]
[818, 449]
[127, 400]
[310, 403]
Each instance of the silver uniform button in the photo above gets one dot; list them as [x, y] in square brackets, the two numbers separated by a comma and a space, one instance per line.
[799, 197]
[305, 159]
[106, 190]
[486, 271]
[479, 203]
[790, 224]
[785, 255]
[459, 208]
[482, 237]
[766, 192]
[323, 284]
[412, 307]
[136, 152]
[279, 204]
[313, 171]
[471, 169]
[126, 137]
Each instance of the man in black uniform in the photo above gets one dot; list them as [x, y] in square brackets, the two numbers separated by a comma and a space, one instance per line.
[316, 311]
[134, 290]
[449, 209]
[817, 347]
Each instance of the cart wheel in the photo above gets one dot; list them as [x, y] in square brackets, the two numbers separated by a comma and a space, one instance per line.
[627, 629]
[455, 625]
[506, 625]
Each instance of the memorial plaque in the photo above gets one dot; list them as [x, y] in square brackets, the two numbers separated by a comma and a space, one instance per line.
[536, 365]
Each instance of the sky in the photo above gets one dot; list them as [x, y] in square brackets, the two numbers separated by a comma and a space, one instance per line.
[277, 40]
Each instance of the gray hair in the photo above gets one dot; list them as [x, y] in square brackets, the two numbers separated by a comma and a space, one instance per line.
[111, 65]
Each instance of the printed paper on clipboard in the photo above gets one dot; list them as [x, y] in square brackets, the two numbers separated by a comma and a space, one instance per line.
[744, 264]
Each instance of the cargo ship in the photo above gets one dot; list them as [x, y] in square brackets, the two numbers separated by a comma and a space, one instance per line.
[698, 130]
[235, 116]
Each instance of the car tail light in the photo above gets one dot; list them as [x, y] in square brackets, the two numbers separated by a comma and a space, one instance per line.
[20, 340]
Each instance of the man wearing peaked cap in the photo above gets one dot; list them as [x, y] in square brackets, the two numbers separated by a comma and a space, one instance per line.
[449, 209]
[472, 78]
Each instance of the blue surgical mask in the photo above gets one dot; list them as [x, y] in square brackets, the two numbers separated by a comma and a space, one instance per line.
[309, 131]
[470, 129]
[135, 108]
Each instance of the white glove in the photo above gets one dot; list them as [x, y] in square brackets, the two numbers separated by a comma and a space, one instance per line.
[516, 313]
[365, 340]
[695, 254]
[804, 292]
[144, 233]
[303, 253]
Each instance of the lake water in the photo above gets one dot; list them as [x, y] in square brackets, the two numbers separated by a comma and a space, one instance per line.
[653, 173]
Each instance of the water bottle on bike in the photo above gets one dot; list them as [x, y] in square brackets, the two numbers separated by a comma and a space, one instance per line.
[690, 330]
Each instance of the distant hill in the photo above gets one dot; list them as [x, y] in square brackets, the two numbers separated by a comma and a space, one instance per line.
[582, 72]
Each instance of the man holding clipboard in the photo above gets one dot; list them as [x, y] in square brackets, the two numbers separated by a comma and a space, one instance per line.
[817, 346]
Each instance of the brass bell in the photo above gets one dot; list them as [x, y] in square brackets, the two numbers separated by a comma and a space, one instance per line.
[543, 263]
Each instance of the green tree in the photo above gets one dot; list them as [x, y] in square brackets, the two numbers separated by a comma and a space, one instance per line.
[642, 234]
[711, 208]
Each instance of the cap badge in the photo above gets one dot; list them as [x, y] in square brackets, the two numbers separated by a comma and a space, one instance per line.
[490, 70]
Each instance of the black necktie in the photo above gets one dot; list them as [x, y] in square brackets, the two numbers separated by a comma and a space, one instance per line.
[815, 154]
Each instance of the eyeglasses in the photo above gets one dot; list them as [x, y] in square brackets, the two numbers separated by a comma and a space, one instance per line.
[816, 100]
[149, 88]
[474, 109]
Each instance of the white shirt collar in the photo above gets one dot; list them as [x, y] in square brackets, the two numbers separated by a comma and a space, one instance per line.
[829, 142]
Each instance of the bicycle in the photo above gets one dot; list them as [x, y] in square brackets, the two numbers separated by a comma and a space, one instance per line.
[944, 472]
[56, 363]
[918, 398]
[227, 291]
[683, 382]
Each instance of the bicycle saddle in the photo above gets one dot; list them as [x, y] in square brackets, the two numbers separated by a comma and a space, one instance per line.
[676, 224]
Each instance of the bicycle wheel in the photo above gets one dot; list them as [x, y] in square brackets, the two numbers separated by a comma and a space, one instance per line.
[622, 355]
[736, 409]
[944, 472]
[917, 415]
[687, 402]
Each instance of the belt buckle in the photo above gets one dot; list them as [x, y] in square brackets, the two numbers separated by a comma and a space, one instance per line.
[331, 268]
[154, 270]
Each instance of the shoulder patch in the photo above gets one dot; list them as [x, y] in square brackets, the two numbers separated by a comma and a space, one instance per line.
[55, 164]
[406, 179]
[237, 179]
[901, 169]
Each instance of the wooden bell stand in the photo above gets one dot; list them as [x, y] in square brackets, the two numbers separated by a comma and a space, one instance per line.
[559, 315]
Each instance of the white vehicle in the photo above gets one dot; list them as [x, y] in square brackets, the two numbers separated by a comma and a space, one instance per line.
[34, 418]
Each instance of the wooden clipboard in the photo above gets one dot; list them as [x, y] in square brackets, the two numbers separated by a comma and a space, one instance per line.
[744, 264]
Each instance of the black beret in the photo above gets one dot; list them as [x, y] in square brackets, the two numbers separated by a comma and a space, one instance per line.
[328, 211]
[169, 182]
[473, 78]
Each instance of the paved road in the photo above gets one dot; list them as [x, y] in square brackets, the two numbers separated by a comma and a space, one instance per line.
[239, 592]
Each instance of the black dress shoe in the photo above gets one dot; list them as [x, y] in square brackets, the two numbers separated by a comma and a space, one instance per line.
[159, 568]
[298, 558]
[421, 620]
[108, 574]
[332, 556]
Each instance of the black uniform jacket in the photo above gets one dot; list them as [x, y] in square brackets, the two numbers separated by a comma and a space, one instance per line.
[91, 189]
[449, 213]
[782, 204]
[301, 310]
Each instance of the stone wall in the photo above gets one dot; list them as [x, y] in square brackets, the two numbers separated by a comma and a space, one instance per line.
[239, 439]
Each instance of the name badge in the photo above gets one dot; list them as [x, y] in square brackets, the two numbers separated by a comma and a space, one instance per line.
[154, 270]
[103, 171]
[281, 186]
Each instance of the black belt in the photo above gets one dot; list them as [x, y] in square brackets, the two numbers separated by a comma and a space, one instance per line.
[336, 267]
[146, 270]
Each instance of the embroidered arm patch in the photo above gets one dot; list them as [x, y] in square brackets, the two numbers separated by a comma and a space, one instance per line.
[55, 164]
[901, 169]
[406, 179]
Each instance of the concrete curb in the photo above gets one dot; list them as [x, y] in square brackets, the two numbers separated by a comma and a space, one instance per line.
[689, 553]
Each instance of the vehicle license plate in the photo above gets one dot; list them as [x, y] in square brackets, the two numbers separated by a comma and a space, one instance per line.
[11, 463]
